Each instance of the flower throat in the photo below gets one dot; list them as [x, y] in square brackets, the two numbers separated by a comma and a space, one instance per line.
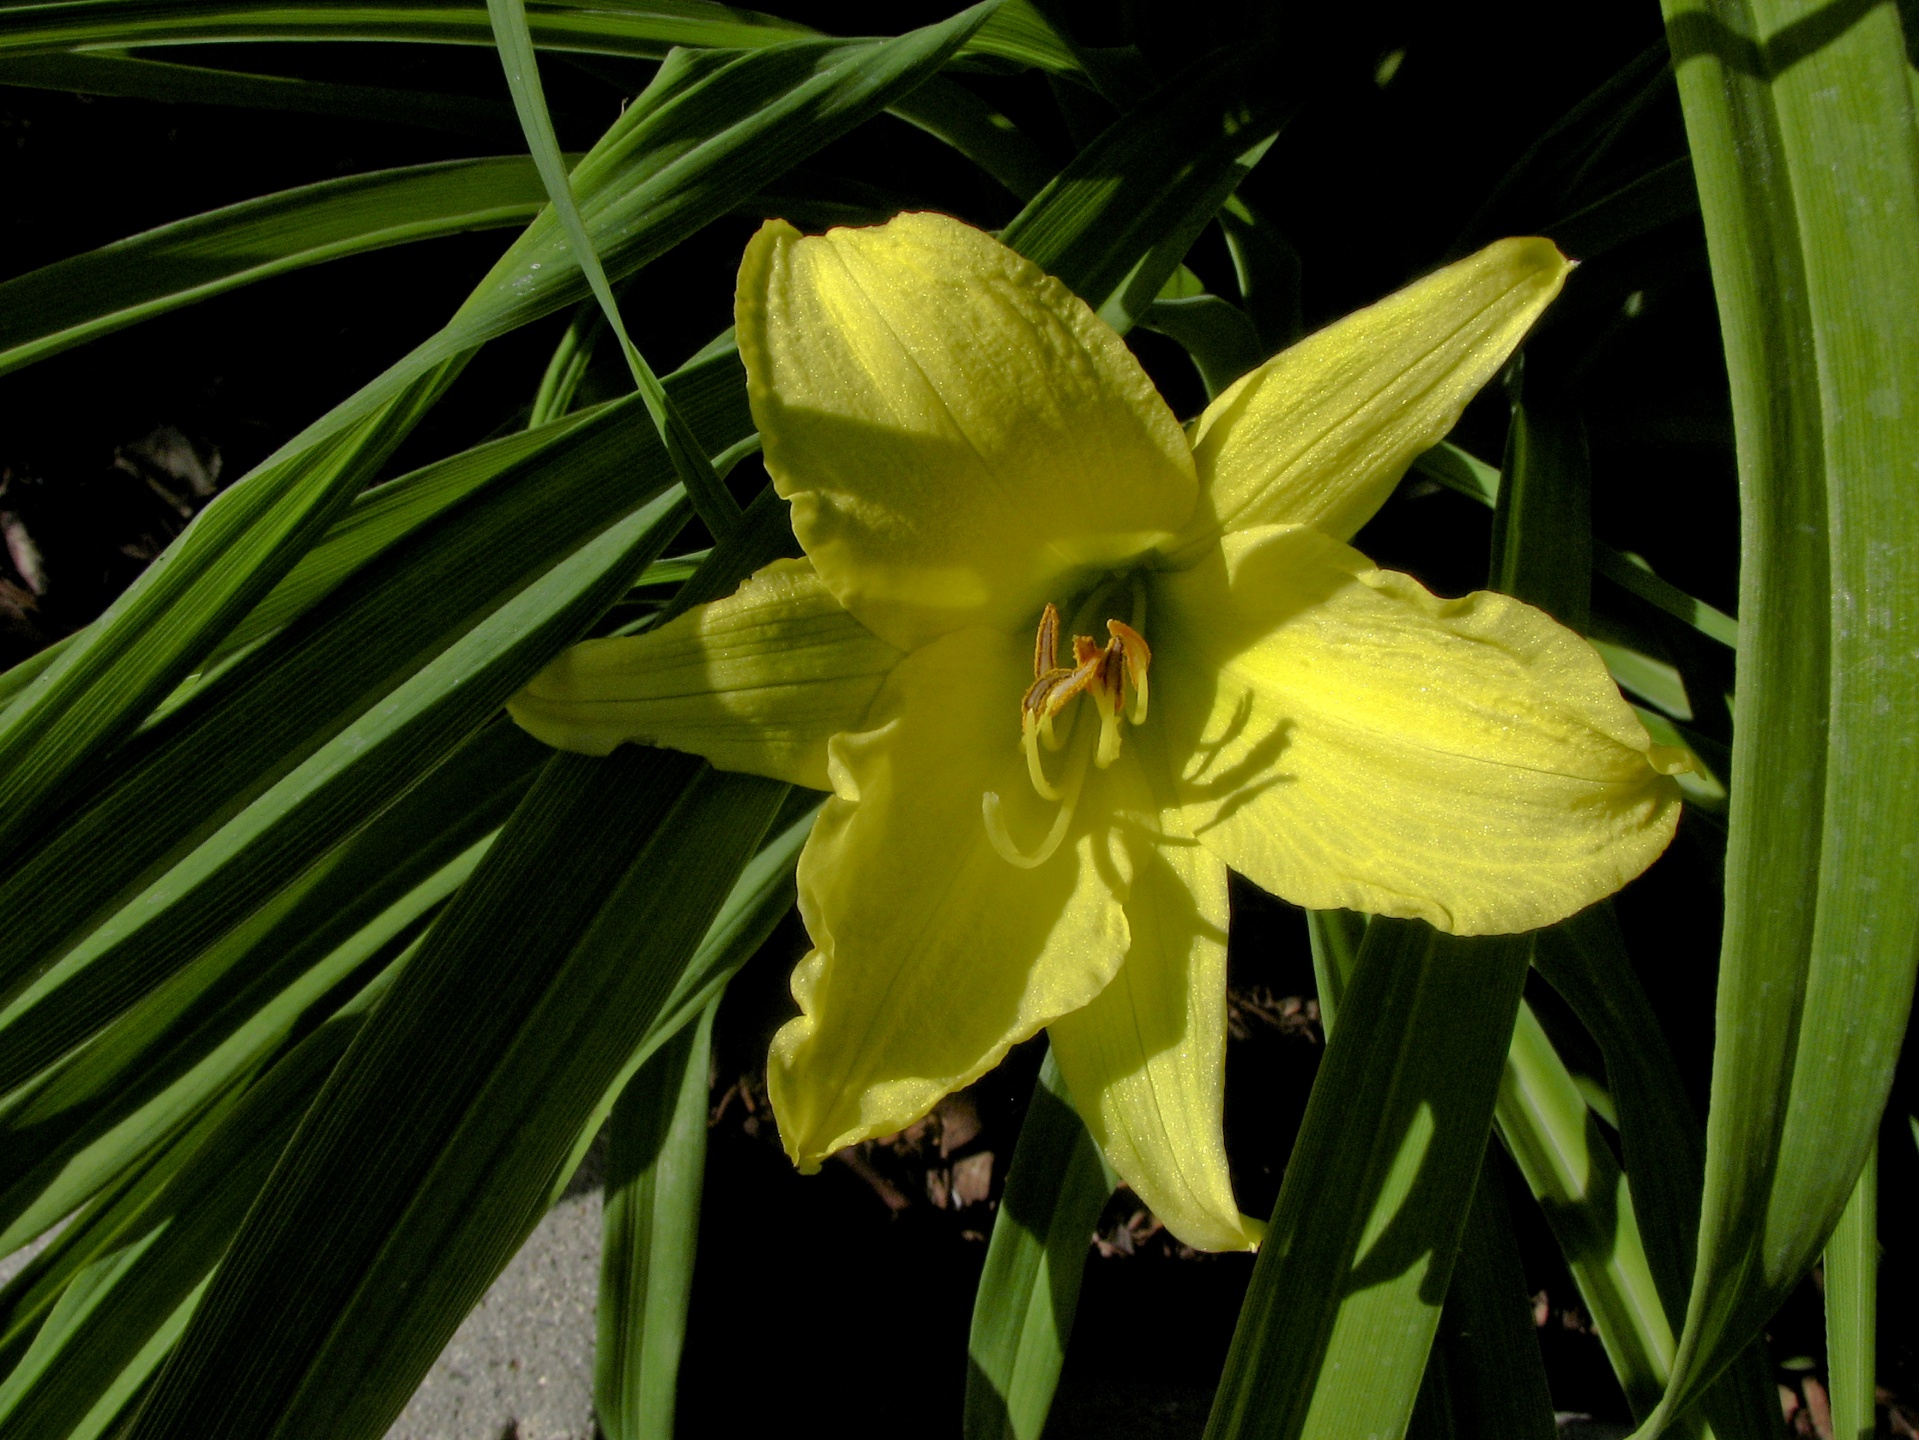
[1112, 675]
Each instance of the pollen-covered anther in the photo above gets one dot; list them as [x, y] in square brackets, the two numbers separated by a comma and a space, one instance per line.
[1102, 671]
[1139, 658]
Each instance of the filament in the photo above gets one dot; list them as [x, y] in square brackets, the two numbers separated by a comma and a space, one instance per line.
[1030, 735]
[993, 813]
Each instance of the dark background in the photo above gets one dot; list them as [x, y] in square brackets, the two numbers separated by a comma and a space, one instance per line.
[847, 1294]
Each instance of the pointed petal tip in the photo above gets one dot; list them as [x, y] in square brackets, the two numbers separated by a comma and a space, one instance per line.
[1322, 432]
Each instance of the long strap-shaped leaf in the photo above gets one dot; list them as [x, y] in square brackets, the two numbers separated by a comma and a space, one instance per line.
[655, 1161]
[228, 558]
[416, 600]
[1543, 553]
[760, 900]
[142, 79]
[1346, 1293]
[63, 1136]
[1029, 1291]
[330, 794]
[423, 1165]
[1485, 1370]
[1555, 1140]
[1017, 32]
[647, 30]
[715, 504]
[210, 1175]
[1852, 1301]
[1484, 1377]
[98, 1344]
[1154, 178]
[1660, 1141]
[58, 306]
[710, 129]
[1803, 140]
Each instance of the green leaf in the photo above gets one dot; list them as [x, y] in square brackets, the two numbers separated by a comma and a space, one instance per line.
[1487, 1350]
[417, 569]
[423, 1166]
[1118, 220]
[647, 30]
[1852, 1302]
[711, 128]
[1029, 1291]
[759, 901]
[1554, 1138]
[1017, 31]
[711, 499]
[1448, 465]
[1346, 1293]
[31, 668]
[232, 553]
[762, 897]
[217, 1146]
[1635, 576]
[567, 367]
[143, 79]
[1267, 268]
[1547, 178]
[953, 114]
[1661, 1140]
[290, 964]
[58, 306]
[1803, 141]
[150, 1259]
[1542, 524]
[710, 390]
[1484, 1376]
[337, 718]
[1335, 936]
[655, 1162]
[1661, 196]
[1215, 332]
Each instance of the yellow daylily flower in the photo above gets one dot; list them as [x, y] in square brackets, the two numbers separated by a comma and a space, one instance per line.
[1061, 668]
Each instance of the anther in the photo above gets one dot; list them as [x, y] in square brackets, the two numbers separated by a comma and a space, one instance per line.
[1139, 656]
[1046, 643]
[1105, 672]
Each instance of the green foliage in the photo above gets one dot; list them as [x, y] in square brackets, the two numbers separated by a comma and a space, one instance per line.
[319, 977]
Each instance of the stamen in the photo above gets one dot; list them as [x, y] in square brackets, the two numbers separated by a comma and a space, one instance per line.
[1029, 742]
[1104, 672]
[1139, 657]
[1003, 842]
[1046, 643]
[992, 812]
[1108, 696]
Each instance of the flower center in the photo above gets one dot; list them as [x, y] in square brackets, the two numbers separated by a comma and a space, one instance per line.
[1104, 673]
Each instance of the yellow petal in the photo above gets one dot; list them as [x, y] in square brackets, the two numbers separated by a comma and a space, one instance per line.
[1321, 433]
[1346, 740]
[1146, 1060]
[934, 954]
[958, 434]
[756, 682]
